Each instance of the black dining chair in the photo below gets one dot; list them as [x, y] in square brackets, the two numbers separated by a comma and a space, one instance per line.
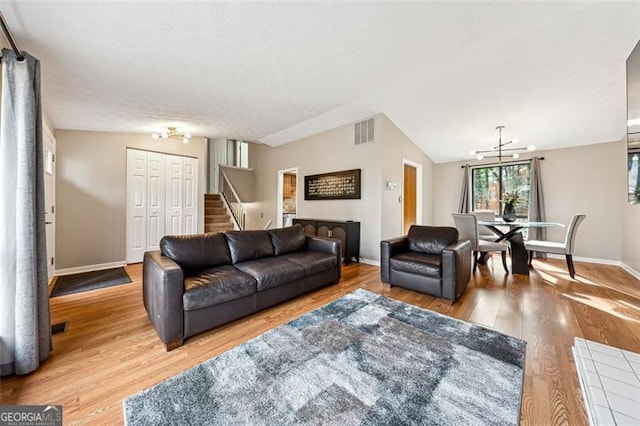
[565, 248]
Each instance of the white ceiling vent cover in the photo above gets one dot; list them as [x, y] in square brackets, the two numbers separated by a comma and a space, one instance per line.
[364, 132]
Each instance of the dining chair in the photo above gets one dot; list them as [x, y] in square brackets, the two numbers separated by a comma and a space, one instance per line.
[467, 225]
[565, 248]
[485, 233]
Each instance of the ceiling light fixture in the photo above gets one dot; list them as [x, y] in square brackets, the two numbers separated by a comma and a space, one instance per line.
[173, 133]
[500, 149]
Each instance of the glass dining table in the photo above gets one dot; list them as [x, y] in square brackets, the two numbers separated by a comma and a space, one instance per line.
[519, 258]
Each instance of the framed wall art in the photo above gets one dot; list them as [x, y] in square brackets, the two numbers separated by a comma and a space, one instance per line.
[343, 185]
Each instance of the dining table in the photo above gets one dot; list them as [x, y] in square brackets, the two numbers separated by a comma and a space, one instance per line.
[519, 257]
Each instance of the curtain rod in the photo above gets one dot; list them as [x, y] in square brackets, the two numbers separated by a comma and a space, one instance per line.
[499, 164]
[9, 36]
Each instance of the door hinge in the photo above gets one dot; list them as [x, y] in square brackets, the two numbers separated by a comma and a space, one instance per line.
[53, 209]
[52, 261]
[53, 158]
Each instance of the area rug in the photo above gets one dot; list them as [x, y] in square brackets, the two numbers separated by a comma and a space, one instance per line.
[76, 283]
[363, 359]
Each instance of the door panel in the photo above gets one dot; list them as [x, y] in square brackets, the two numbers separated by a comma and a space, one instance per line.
[155, 199]
[49, 143]
[190, 196]
[174, 195]
[136, 223]
[409, 214]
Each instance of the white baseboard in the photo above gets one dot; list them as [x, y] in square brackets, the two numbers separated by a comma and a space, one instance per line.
[624, 266]
[89, 268]
[630, 270]
[369, 261]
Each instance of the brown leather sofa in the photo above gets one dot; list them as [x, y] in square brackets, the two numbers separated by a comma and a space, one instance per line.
[198, 282]
[429, 259]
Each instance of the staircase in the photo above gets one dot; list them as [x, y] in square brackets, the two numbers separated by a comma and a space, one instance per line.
[216, 218]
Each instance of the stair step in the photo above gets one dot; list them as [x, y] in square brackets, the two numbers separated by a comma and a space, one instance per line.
[216, 218]
[218, 228]
[214, 211]
[208, 203]
[211, 197]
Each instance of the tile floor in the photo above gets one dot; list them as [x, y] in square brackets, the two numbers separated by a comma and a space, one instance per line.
[610, 382]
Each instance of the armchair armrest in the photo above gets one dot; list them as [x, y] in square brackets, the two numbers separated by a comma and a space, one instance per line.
[389, 248]
[162, 290]
[456, 269]
[331, 246]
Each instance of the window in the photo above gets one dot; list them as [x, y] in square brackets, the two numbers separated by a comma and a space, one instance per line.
[490, 184]
[242, 154]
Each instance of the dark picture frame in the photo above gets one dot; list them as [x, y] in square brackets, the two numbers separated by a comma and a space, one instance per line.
[342, 185]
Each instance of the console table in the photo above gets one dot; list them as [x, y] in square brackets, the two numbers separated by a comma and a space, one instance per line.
[346, 231]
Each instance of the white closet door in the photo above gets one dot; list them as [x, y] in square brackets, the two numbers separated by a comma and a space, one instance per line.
[155, 199]
[136, 235]
[174, 195]
[190, 196]
[162, 199]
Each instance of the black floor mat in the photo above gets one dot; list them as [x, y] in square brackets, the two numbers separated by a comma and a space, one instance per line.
[76, 283]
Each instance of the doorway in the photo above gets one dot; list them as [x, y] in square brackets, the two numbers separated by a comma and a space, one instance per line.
[411, 195]
[49, 158]
[287, 199]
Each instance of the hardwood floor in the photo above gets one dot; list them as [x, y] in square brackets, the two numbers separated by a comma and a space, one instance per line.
[110, 350]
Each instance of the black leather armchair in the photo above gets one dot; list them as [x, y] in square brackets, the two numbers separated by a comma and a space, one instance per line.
[429, 259]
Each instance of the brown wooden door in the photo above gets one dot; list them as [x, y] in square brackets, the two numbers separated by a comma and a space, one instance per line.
[409, 198]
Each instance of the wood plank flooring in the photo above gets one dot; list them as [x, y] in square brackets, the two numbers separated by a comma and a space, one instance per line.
[110, 350]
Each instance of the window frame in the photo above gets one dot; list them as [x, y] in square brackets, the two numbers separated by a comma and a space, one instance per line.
[500, 184]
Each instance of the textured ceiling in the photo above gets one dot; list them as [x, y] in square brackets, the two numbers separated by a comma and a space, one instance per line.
[445, 73]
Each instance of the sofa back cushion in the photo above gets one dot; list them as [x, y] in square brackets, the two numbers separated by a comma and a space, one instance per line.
[248, 245]
[287, 240]
[431, 239]
[196, 252]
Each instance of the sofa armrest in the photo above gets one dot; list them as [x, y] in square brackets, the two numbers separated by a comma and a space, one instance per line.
[389, 248]
[331, 246]
[162, 290]
[456, 269]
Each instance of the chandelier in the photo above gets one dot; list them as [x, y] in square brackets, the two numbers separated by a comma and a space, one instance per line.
[499, 149]
[173, 133]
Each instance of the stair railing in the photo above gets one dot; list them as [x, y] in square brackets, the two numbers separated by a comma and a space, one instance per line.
[230, 197]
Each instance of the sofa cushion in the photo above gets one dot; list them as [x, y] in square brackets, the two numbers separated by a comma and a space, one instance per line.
[216, 286]
[313, 262]
[248, 245]
[431, 239]
[271, 272]
[428, 265]
[287, 240]
[195, 253]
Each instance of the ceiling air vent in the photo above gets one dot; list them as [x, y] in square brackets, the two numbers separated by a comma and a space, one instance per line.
[364, 132]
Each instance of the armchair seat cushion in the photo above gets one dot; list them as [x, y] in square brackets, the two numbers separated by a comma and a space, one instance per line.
[271, 272]
[313, 262]
[428, 265]
[216, 286]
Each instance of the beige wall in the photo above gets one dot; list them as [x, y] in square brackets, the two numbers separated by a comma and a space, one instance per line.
[242, 180]
[397, 147]
[630, 220]
[91, 192]
[583, 179]
[328, 151]
[379, 211]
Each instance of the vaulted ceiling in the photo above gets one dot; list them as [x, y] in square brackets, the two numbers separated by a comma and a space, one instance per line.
[446, 73]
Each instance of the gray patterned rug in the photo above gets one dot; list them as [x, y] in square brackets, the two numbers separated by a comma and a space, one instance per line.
[363, 359]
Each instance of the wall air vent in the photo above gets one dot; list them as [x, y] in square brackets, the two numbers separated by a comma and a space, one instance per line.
[364, 132]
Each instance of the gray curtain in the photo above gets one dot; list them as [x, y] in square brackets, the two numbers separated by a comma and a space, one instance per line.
[536, 203]
[465, 196]
[25, 328]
